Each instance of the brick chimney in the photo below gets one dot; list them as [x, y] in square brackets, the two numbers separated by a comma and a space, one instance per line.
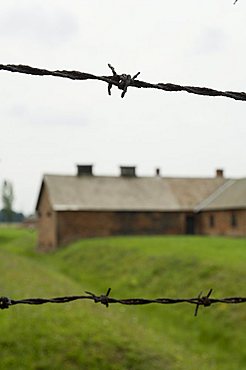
[219, 172]
[84, 170]
[127, 171]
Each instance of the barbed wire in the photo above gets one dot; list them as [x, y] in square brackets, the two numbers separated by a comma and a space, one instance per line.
[106, 300]
[123, 81]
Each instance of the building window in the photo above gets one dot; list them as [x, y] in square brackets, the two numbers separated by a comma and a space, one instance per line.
[211, 220]
[233, 220]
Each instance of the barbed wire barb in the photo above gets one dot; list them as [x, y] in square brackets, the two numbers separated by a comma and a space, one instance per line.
[106, 300]
[122, 81]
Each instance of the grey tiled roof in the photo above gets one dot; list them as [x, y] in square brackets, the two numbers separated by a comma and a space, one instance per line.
[128, 194]
[231, 195]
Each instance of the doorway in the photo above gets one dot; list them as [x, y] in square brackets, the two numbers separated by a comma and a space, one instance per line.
[190, 225]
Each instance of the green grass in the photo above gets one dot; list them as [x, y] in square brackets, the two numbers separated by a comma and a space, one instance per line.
[82, 335]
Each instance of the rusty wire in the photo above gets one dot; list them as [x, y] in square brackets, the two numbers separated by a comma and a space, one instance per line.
[106, 300]
[123, 81]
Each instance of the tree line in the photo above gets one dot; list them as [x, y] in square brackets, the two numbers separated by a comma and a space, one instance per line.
[7, 214]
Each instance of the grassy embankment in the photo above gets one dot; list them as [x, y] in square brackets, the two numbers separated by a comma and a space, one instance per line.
[82, 335]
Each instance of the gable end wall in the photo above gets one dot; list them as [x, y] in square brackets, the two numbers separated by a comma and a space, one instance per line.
[47, 236]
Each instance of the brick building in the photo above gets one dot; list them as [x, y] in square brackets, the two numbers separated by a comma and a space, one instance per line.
[84, 205]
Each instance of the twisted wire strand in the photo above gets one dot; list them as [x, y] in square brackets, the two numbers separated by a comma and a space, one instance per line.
[122, 81]
[104, 299]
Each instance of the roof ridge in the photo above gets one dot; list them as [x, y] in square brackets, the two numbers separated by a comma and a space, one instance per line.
[137, 177]
[205, 202]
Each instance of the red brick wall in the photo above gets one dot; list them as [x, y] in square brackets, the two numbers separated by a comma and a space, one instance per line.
[47, 239]
[59, 228]
[75, 225]
[222, 223]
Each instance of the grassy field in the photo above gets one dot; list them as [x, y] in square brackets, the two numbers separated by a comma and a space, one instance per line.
[84, 335]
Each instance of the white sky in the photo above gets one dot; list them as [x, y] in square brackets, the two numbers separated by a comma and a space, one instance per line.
[48, 125]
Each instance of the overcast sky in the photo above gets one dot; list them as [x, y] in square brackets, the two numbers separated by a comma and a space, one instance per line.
[48, 125]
